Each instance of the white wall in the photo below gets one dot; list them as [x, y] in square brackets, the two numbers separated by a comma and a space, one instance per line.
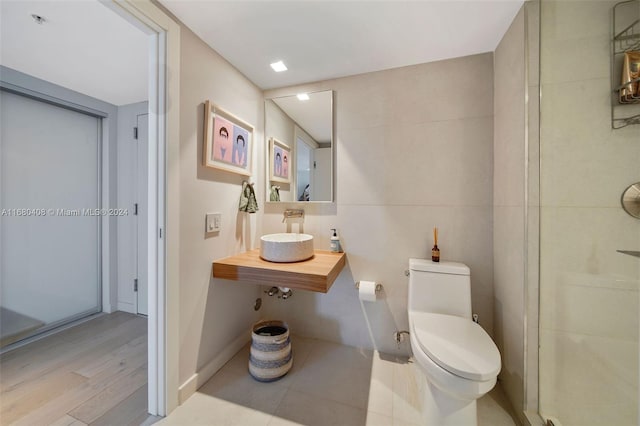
[509, 198]
[414, 151]
[215, 315]
[588, 291]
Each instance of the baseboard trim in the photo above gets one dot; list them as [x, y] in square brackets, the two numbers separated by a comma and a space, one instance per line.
[533, 419]
[127, 307]
[198, 379]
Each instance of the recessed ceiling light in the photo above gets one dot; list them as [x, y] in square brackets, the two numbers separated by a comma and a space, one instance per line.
[303, 97]
[279, 66]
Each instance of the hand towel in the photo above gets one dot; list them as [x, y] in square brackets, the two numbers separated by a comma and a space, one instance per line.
[275, 193]
[248, 202]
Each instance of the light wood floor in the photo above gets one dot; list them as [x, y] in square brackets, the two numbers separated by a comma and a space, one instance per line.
[91, 374]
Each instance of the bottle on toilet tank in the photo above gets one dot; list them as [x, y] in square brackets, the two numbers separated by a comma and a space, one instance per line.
[435, 251]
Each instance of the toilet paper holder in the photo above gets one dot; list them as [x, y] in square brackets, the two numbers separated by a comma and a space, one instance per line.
[378, 287]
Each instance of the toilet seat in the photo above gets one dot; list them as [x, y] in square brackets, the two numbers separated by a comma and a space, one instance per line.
[457, 344]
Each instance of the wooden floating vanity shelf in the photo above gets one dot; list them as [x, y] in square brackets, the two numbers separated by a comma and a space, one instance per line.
[315, 274]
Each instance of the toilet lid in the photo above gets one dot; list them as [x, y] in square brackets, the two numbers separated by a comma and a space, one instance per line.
[457, 344]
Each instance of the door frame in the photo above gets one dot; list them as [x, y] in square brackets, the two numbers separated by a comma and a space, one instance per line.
[163, 198]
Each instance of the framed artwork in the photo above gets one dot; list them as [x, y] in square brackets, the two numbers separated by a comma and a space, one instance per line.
[279, 161]
[228, 141]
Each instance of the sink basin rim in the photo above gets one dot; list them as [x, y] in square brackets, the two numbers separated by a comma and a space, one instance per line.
[286, 237]
[286, 247]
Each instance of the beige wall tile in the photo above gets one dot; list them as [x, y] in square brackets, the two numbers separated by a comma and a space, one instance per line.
[411, 156]
[509, 197]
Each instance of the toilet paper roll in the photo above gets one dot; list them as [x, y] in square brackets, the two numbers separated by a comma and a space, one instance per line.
[367, 291]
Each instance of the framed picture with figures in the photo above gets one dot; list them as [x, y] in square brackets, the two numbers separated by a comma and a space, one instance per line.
[279, 161]
[228, 141]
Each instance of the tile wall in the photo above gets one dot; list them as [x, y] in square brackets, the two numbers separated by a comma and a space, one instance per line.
[414, 151]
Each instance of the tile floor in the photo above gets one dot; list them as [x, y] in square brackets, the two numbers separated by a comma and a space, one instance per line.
[329, 384]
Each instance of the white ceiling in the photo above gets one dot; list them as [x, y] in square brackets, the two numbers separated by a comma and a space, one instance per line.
[83, 46]
[319, 40]
[86, 47]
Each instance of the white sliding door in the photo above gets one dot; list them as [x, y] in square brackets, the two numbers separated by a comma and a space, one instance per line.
[50, 194]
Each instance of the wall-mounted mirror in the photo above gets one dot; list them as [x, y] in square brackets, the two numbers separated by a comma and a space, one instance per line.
[300, 147]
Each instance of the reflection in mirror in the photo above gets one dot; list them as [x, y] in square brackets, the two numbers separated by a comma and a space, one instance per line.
[304, 126]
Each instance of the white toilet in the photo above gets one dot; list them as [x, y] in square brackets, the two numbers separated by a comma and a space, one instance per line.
[459, 360]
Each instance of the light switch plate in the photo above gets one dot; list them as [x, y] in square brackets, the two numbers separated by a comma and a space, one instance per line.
[213, 222]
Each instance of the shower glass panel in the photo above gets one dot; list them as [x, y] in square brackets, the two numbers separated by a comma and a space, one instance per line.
[588, 342]
[49, 229]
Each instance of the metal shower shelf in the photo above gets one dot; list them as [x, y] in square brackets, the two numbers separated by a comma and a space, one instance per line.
[625, 38]
[628, 38]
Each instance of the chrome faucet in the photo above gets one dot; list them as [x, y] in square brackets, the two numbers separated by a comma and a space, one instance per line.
[293, 214]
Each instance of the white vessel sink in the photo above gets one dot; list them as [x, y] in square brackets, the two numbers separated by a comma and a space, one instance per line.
[285, 248]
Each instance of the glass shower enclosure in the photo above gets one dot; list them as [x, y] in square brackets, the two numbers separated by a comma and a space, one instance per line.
[588, 289]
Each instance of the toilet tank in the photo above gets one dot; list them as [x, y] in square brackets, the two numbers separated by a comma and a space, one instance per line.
[439, 287]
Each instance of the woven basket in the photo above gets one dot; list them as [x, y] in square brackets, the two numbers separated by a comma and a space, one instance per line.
[271, 357]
